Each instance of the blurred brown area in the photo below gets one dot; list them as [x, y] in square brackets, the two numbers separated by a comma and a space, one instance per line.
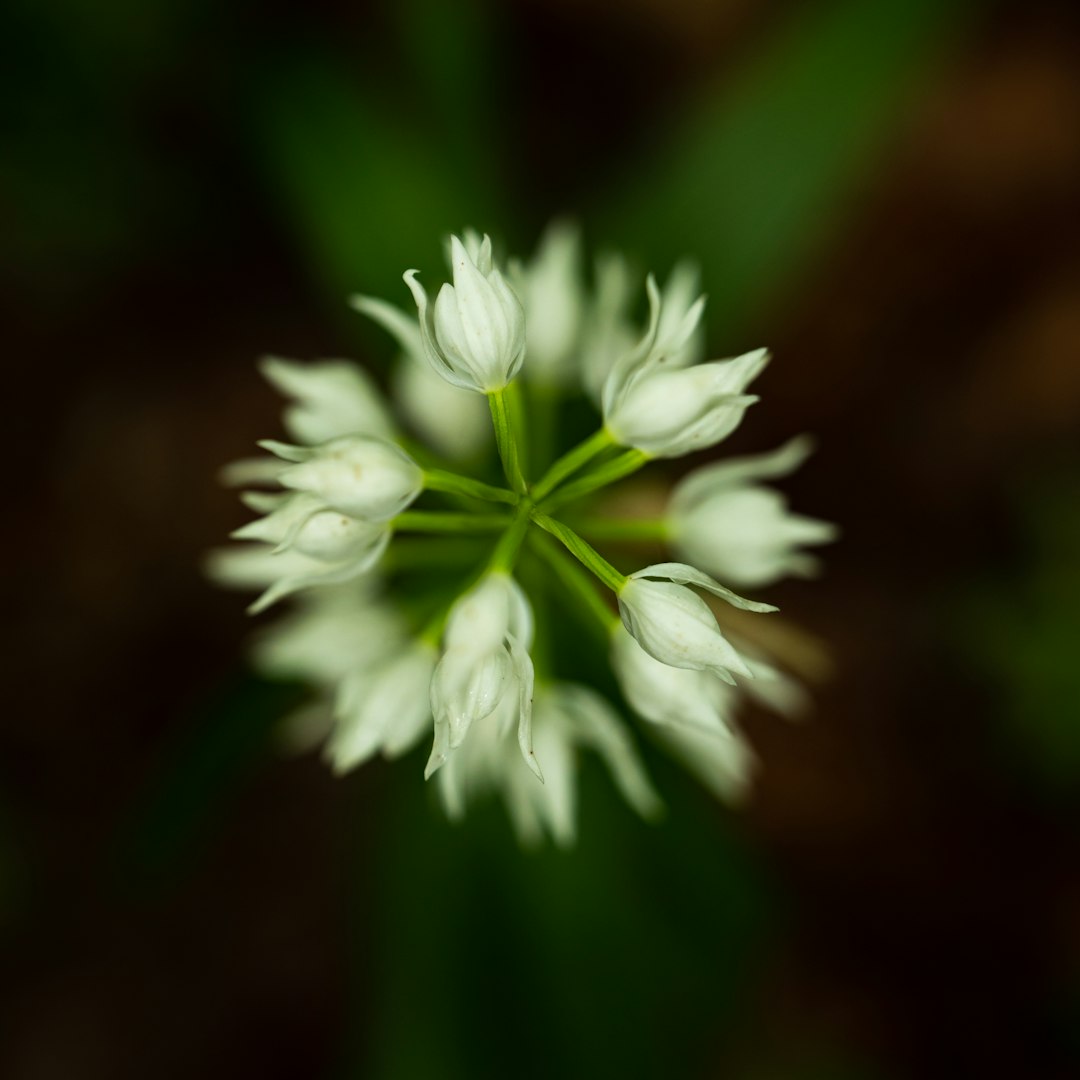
[935, 351]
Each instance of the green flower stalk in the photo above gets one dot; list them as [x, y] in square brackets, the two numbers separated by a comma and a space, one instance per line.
[365, 496]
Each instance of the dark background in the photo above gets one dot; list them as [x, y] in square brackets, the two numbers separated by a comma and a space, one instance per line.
[887, 195]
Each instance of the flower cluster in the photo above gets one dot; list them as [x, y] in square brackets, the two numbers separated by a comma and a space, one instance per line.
[395, 657]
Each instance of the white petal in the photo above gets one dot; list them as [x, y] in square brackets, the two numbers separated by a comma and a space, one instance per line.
[683, 574]
[362, 477]
[333, 398]
[454, 421]
[597, 725]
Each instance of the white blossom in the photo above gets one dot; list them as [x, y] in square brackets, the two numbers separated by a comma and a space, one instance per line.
[654, 405]
[331, 633]
[568, 718]
[331, 398]
[311, 545]
[551, 291]
[384, 706]
[454, 421]
[475, 335]
[486, 660]
[386, 673]
[736, 529]
[680, 334]
[667, 695]
[674, 625]
[608, 332]
[723, 760]
[366, 478]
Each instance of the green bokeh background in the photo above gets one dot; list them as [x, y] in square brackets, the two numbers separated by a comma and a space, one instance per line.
[885, 193]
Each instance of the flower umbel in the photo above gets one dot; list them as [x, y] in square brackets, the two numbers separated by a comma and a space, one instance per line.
[417, 583]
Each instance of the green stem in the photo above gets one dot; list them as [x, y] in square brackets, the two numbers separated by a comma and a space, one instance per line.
[432, 521]
[577, 583]
[625, 528]
[506, 551]
[506, 440]
[441, 480]
[571, 461]
[626, 463]
[582, 551]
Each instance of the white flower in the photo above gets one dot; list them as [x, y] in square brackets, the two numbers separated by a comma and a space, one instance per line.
[475, 338]
[722, 759]
[486, 661]
[383, 706]
[654, 405]
[667, 695]
[365, 478]
[453, 420]
[332, 398]
[674, 625]
[331, 633]
[333, 630]
[256, 566]
[568, 717]
[551, 291]
[723, 522]
[314, 545]
[680, 334]
[577, 715]
[668, 413]
[608, 332]
[305, 524]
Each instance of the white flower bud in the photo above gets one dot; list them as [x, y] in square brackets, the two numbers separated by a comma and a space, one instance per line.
[551, 290]
[670, 695]
[680, 334]
[332, 633]
[365, 478]
[486, 658]
[332, 398]
[314, 545]
[675, 626]
[668, 413]
[303, 523]
[654, 404]
[740, 531]
[384, 707]
[475, 338]
[567, 718]
[608, 332]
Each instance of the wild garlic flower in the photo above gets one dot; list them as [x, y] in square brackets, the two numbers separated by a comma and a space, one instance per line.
[554, 300]
[415, 621]
[654, 403]
[475, 335]
[485, 660]
[735, 528]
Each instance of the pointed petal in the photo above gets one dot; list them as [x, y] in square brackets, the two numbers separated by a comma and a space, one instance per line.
[683, 574]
